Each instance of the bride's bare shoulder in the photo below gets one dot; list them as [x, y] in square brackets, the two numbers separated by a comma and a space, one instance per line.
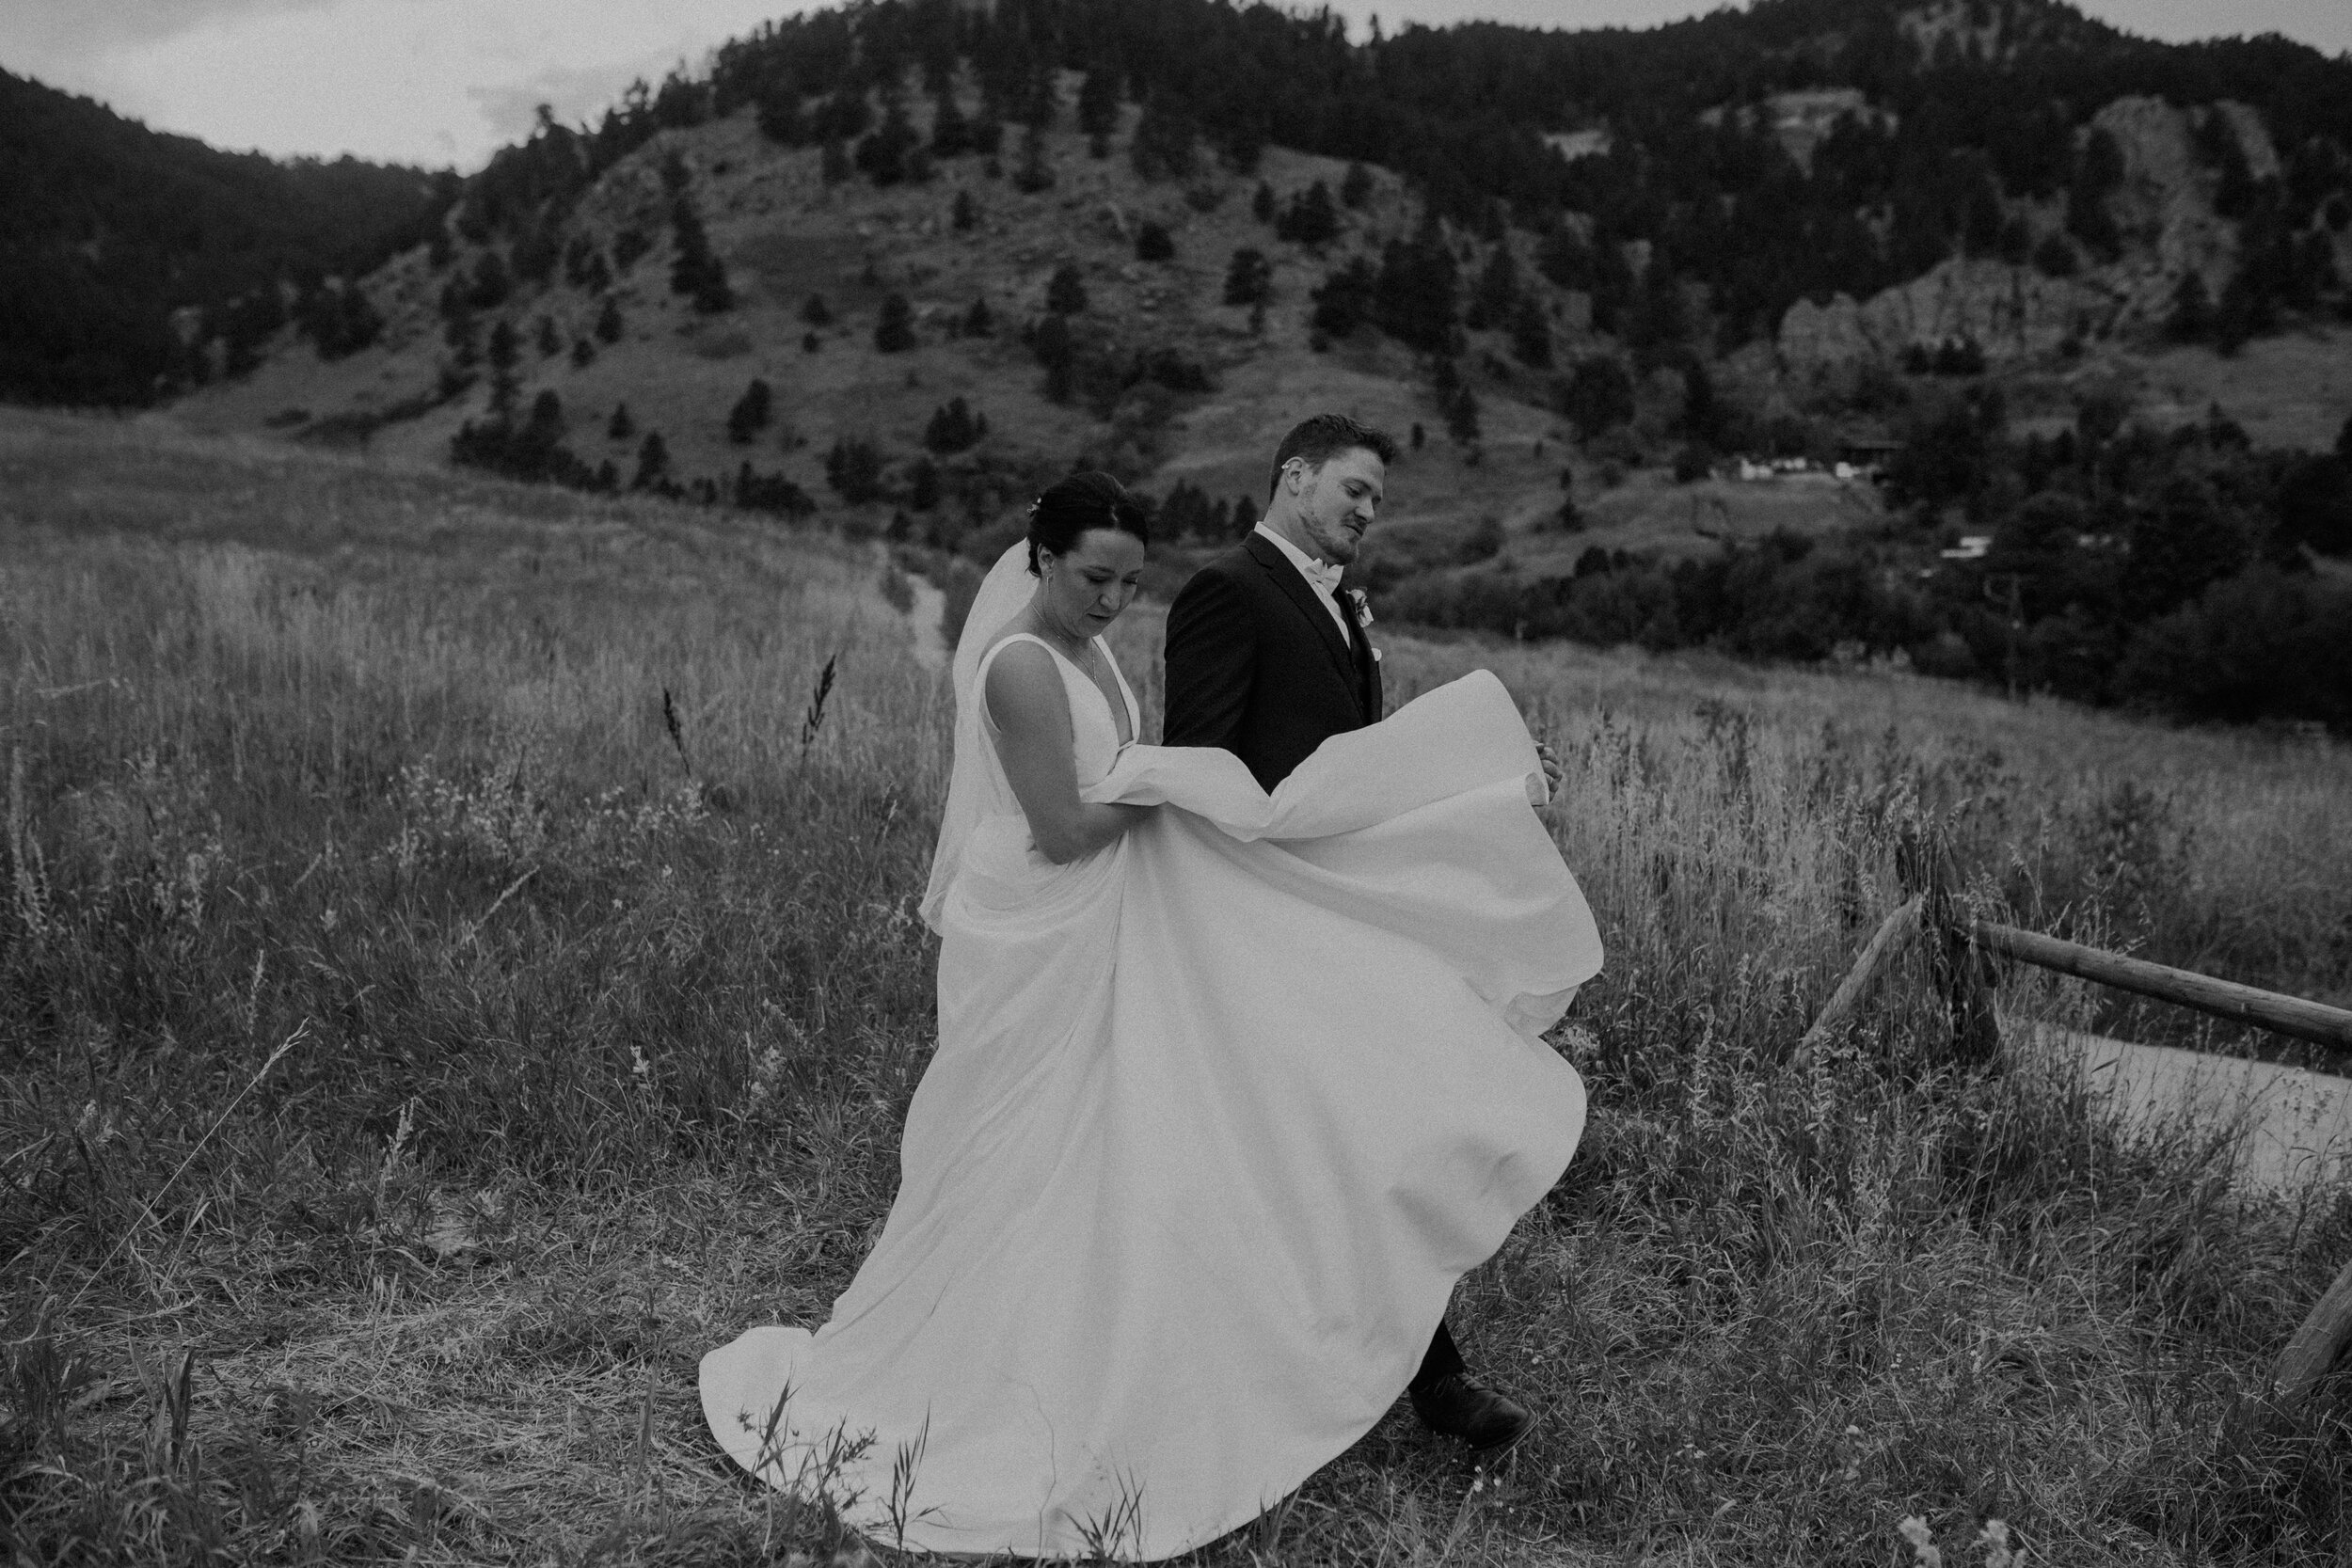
[1022, 683]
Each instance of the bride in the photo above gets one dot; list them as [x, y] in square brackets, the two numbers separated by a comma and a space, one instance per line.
[1230, 1088]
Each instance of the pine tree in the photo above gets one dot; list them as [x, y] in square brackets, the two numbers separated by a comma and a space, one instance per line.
[1530, 333]
[894, 330]
[965, 213]
[550, 340]
[980, 322]
[954, 427]
[1461, 416]
[653, 462]
[1036, 172]
[1310, 219]
[1057, 352]
[1344, 300]
[608, 327]
[1066, 293]
[854, 468]
[1163, 144]
[951, 134]
[1413, 300]
[697, 272]
[1262, 203]
[620, 427]
[779, 117]
[2192, 310]
[1497, 293]
[1249, 278]
[491, 283]
[884, 154]
[923, 484]
[505, 346]
[751, 412]
[1098, 102]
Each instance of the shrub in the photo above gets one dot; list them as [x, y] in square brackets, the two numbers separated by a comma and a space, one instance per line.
[894, 329]
[854, 468]
[1343, 300]
[2259, 645]
[1249, 278]
[1310, 219]
[771, 493]
[954, 427]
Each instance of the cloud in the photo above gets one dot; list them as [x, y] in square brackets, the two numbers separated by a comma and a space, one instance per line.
[68, 31]
[574, 93]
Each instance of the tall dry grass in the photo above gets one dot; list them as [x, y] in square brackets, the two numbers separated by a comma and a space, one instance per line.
[422, 1040]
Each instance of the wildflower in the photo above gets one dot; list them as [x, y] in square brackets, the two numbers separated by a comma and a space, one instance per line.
[1924, 1551]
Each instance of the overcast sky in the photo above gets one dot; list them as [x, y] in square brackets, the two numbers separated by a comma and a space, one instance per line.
[446, 81]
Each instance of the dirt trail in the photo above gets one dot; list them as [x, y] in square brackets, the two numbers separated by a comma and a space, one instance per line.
[2297, 1125]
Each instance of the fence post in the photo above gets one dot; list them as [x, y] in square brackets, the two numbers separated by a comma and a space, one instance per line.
[2324, 1336]
[1883, 943]
[1960, 972]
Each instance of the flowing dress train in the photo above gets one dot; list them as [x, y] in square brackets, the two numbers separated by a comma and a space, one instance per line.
[1218, 1115]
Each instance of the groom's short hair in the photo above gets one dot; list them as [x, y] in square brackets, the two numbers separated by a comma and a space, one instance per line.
[1321, 439]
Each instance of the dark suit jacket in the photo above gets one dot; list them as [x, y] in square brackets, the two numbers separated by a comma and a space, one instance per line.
[1257, 665]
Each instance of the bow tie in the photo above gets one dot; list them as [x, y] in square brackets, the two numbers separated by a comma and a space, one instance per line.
[1324, 576]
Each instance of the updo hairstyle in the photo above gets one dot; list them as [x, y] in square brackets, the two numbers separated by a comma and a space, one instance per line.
[1083, 502]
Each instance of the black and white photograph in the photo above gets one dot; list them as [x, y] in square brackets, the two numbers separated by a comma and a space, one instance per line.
[1471, 784]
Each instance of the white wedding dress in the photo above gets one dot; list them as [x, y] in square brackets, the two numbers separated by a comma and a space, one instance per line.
[1218, 1115]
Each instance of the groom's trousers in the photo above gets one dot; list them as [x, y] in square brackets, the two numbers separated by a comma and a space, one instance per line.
[1442, 1359]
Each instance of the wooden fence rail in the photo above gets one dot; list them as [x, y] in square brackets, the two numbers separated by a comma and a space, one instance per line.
[1956, 945]
[2286, 1015]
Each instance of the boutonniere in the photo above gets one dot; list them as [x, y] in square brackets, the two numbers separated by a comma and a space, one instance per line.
[1363, 605]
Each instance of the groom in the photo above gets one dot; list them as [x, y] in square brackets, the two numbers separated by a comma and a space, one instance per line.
[1267, 658]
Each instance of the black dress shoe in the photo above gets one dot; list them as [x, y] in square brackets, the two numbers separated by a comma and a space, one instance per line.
[1459, 1406]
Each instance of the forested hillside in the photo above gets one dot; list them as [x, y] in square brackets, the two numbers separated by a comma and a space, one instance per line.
[1968, 131]
[1969, 270]
[112, 229]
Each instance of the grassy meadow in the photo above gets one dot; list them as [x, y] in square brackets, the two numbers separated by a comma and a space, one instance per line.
[458, 962]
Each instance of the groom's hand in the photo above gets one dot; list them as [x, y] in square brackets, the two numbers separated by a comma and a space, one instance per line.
[1549, 761]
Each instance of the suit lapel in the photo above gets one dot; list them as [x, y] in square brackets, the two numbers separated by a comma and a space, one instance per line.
[1302, 593]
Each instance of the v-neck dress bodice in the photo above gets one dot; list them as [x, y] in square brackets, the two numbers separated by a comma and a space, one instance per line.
[1095, 743]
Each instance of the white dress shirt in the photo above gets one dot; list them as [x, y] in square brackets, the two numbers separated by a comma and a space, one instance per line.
[1323, 578]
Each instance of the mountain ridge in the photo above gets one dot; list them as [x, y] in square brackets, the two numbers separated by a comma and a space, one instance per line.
[141, 246]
